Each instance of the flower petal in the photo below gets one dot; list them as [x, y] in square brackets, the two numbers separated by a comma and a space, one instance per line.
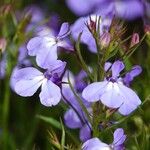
[57, 66]
[26, 73]
[34, 45]
[50, 94]
[112, 97]
[95, 144]
[64, 30]
[119, 137]
[116, 68]
[47, 56]
[79, 7]
[136, 70]
[93, 92]
[129, 9]
[66, 45]
[85, 133]
[72, 120]
[29, 86]
[107, 66]
[130, 100]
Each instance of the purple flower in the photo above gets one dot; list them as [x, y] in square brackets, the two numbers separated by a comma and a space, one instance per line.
[127, 9]
[112, 92]
[45, 47]
[87, 38]
[96, 144]
[80, 7]
[28, 80]
[44, 31]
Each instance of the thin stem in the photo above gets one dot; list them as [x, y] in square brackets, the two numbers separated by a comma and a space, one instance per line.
[80, 101]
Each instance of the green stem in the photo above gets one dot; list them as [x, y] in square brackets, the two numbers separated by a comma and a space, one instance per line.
[80, 101]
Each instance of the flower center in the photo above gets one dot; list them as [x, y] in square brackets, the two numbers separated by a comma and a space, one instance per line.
[52, 77]
[48, 75]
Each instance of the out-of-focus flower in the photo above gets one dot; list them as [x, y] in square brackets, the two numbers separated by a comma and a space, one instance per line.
[80, 7]
[3, 44]
[37, 15]
[112, 92]
[45, 47]
[87, 38]
[117, 144]
[28, 80]
[127, 9]
[135, 39]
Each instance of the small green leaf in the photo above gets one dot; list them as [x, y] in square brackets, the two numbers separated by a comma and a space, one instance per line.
[50, 120]
[63, 135]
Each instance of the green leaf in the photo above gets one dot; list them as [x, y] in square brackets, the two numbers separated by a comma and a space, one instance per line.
[50, 120]
[63, 135]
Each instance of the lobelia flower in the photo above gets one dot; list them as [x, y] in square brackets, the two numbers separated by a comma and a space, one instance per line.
[117, 144]
[127, 9]
[45, 47]
[28, 80]
[87, 38]
[80, 7]
[112, 92]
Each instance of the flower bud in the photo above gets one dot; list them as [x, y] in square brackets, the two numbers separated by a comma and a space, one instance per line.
[105, 39]
[135, 39]
[93, 23]
[5, 9]
[3, 44]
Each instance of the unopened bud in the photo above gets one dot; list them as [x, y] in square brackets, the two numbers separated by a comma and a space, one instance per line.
[92, 25]
[135, 39]
[3, 44]
[105, 39]
[5, 9]
[93, 22]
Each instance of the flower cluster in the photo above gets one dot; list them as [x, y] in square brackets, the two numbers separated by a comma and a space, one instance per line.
[95, 94]
[26, 81]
